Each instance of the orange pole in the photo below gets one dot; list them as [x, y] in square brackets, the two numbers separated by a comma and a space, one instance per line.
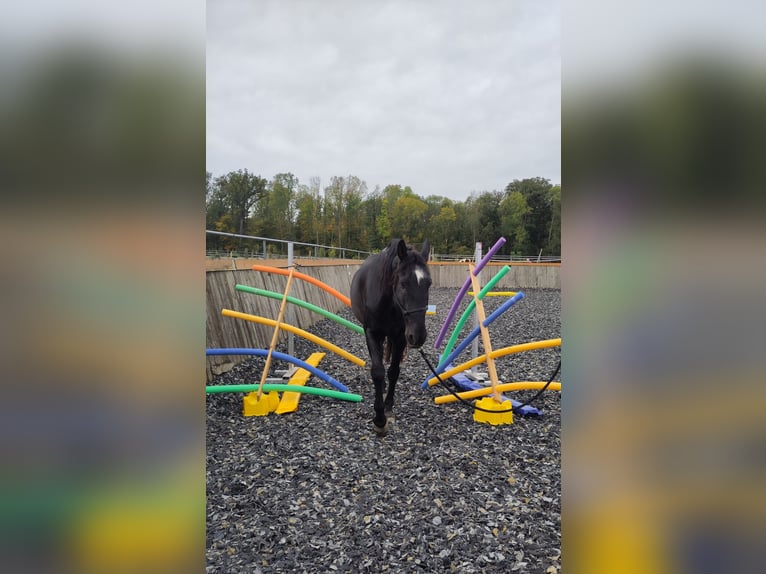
[308, 278]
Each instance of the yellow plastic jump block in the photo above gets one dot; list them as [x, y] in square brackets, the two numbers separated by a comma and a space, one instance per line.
[289, 402]
[254, 407]
[491, 404]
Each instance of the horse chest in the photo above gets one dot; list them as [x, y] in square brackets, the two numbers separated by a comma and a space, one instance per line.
[388, 321]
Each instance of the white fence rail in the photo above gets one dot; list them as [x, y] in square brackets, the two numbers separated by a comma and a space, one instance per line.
[270, 248]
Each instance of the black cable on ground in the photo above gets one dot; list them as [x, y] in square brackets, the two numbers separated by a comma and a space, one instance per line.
[473, 406]
[540, 392]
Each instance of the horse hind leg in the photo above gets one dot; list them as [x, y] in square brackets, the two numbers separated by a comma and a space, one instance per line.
[386, 351]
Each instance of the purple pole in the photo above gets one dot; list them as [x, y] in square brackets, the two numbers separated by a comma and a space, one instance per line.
[464, 289]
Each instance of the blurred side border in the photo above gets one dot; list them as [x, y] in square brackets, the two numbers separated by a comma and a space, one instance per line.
[103, 160]
[664, 246]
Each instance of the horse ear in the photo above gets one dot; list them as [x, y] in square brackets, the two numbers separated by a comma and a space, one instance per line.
[401, 250]
[426, 251]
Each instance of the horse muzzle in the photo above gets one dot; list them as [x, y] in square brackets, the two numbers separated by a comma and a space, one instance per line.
[415, 336]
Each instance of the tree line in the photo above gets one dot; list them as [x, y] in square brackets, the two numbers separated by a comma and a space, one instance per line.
[344, 213]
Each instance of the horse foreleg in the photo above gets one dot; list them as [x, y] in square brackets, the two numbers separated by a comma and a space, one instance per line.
[378, 372]
[397, 353]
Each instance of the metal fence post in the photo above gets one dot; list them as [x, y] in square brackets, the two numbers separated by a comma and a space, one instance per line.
[290, 309]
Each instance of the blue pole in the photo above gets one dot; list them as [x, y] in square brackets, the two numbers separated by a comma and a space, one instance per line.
[282, 357]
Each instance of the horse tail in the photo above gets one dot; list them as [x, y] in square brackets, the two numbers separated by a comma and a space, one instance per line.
[387, 352]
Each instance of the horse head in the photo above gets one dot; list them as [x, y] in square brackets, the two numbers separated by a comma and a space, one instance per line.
[411, 283]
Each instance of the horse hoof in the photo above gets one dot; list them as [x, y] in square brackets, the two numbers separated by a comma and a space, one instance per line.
[390, 417]
[380, 431]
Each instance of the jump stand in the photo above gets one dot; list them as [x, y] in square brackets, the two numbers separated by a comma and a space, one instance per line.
[255, 402]
[500, 408]
[505, 417]
[263, 399]
[289, 402]
[252, 406]
[490, 404]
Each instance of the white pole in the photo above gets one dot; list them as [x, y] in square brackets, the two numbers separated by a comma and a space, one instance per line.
[290, 309]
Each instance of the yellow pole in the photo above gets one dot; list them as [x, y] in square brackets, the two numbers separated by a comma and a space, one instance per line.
[485, 336]
[292, 329]
[276, 334]
[503, 387]
[505, 351]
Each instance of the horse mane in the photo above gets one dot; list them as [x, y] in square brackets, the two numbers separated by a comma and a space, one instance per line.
[387, 269]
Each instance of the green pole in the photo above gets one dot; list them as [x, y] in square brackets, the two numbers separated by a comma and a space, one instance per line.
[302, 303]
[210, 389]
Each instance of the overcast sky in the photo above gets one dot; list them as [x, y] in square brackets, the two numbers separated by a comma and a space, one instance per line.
[446, 97]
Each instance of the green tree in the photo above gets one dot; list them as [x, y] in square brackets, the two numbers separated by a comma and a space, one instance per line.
[333, 200]
[353, 196]
[241, 191]
[484, 217]
[281, 204]
[229, 201]
[554, 233]
[306, 217]
[536, 192]
[391, 194]
[344, 214]
[408, 218]
[372, 211]
[513, 213]
[309, 226]
[435, 229]
[441, 228]
[315, 188]
[215, 210]
[343, 201]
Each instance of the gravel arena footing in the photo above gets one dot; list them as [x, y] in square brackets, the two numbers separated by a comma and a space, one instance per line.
[317, 491]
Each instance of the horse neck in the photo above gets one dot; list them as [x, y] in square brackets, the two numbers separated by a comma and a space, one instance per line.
[389, 269]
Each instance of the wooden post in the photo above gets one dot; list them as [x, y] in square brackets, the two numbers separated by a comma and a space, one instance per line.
[276, 333]
[485, 335]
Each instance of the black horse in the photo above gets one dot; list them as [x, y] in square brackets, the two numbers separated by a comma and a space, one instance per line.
[389, 296]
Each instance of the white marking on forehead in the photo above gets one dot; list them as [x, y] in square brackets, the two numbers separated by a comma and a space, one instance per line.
[420, 273]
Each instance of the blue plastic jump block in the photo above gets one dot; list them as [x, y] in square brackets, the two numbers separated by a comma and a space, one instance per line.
[466, 384]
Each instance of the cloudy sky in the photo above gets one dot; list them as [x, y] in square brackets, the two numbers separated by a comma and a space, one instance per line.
[447, 97]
